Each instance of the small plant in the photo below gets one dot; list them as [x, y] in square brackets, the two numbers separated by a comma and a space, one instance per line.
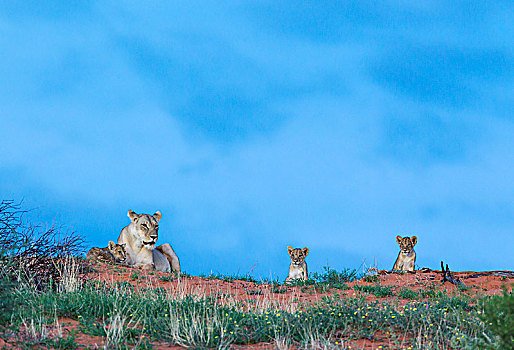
[278, 289]
[333, 277]
[370, 278]
[377, 290]
[230, 278]
[253, 292]
[498, 317]
[406, 293]
[166, 278]
[134, 276]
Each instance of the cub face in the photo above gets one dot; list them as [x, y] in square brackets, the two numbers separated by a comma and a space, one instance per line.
[118, 251]
[297, 255]
[146, 226]
[406, 243]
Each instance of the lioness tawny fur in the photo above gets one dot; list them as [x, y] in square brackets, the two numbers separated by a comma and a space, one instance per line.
[298, 267]
[407, 256]
[140, 237]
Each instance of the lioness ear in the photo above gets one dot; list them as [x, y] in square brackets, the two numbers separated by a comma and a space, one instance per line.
[157, 216]
[111, 245]
[398, 239]
[132, 215]
[305, 251]
[414, 240]
[289, 249]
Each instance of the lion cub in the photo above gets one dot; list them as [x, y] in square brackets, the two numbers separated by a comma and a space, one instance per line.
[298, 267]
[113, 253]
[407, 256]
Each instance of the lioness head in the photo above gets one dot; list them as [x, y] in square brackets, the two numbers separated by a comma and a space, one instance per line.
[297, 255]
[118, 251]
[406, 243]
[147, 226]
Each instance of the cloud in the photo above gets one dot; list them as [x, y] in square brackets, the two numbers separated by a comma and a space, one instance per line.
[443, 76]
[255, 128]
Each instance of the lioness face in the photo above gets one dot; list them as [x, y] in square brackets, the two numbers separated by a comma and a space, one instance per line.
[118, 251]
[406, 243]
[297, 255]
[147, 226]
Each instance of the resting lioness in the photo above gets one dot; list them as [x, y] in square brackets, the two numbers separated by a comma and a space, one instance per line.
[407, 256]
[140, 237]
[113, 253]
[298, 267]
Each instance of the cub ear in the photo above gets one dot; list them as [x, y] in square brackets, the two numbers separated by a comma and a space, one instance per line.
[414, 240]
[111, 245]
[157, 216]
[289, 249]
[398, 239]
[132, 215]
[305, 251]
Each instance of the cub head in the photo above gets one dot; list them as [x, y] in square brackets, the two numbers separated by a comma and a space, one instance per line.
[297, 255]
[118, 251]
[406, 243]
[146, 226]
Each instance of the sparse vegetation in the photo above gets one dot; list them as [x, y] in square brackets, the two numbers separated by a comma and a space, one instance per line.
[377, 290]
[126, 316]
[231, 278]
[498, 317]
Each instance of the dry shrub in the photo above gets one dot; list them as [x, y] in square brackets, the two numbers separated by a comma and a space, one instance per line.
[42, 257]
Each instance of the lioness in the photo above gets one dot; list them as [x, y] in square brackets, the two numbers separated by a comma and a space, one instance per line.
[113, 253]
[407, 256]
[140, 238]
[298, 267]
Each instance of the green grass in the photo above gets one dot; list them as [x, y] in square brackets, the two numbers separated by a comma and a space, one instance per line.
[377, 290]
[231, 278]
[166, 278]
[498, 316]
[155, 315]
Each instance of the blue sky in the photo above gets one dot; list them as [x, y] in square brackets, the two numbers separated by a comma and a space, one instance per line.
[256, 125]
